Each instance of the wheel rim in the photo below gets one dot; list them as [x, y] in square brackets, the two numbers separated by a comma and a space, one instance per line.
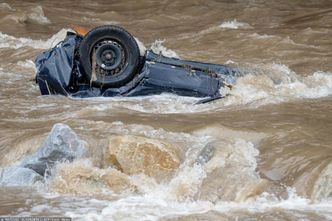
[110, 58]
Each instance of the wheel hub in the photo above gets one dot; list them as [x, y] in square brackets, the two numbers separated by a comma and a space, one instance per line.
[110, 58]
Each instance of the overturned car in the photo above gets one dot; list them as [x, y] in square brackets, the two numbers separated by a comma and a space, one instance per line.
[106, 61]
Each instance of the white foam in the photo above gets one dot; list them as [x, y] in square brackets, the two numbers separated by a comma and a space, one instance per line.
[150, 207]
[158, 48]
[27, 64]
[234, 24]
[141, 46]
[262, 85]
[230, 62]
[37, 15]
[323, 185]
[157, 200]
[278, 84]
[98, 21]
[9, 78]
[267, 202]
[6, 7]
[261, 36]
[161, 104]
[33, 15]
[8, 41]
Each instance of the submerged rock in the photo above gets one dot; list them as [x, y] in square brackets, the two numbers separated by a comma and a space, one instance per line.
[61, 145]
[82, 177]
[206, 154]
[18, 176]
[136, 154]
[231, 175]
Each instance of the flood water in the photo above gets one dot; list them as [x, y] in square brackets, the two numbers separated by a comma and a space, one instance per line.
[272, 134]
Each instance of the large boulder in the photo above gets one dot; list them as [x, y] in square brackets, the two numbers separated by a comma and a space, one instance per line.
[136, 154]
[61, 145]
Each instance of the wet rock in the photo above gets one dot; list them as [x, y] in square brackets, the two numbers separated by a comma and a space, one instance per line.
[18, 176]
[230, 171]
[206, 154]
[82, 177]
[62, 144]
[135, 154]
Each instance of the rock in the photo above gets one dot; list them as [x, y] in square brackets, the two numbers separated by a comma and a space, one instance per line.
[231, 171]
[18, 176]
[62, 144]
[135, 154]
[82, 177]
[206, 154]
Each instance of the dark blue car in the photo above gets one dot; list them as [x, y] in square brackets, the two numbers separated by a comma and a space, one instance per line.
[107, 62]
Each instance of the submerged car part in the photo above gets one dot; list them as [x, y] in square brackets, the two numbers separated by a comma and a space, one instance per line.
[107, 62]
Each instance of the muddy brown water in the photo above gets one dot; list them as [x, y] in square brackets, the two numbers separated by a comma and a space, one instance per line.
[273, 158]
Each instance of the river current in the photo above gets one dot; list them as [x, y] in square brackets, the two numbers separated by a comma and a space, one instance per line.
[272, 139]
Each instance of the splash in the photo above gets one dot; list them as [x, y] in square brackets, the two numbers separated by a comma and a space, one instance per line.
[193, 179]
[8, 41]
[37, 15]
[234, 24]
[141, 46]
[257, 85]
[158, 48]
[29, 64]
[323, 185]
[276, 83]
[193, 189]
[34, 15]
[6, 7]
[83, 178]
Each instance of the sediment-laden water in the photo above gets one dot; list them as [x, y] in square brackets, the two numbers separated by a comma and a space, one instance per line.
[262, 153]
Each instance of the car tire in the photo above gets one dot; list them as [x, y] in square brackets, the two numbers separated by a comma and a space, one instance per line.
[114, 53]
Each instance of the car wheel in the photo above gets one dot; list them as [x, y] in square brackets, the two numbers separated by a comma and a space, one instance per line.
[109, 56]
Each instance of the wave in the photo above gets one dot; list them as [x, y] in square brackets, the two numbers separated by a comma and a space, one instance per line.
[34, 15]
[152, 208]
[37, 15]
[158, 48]
[259, 85]
[8, 41]
[208, 153]
[141, 46]
[276, 83]
[234, 24]
[6, 7]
